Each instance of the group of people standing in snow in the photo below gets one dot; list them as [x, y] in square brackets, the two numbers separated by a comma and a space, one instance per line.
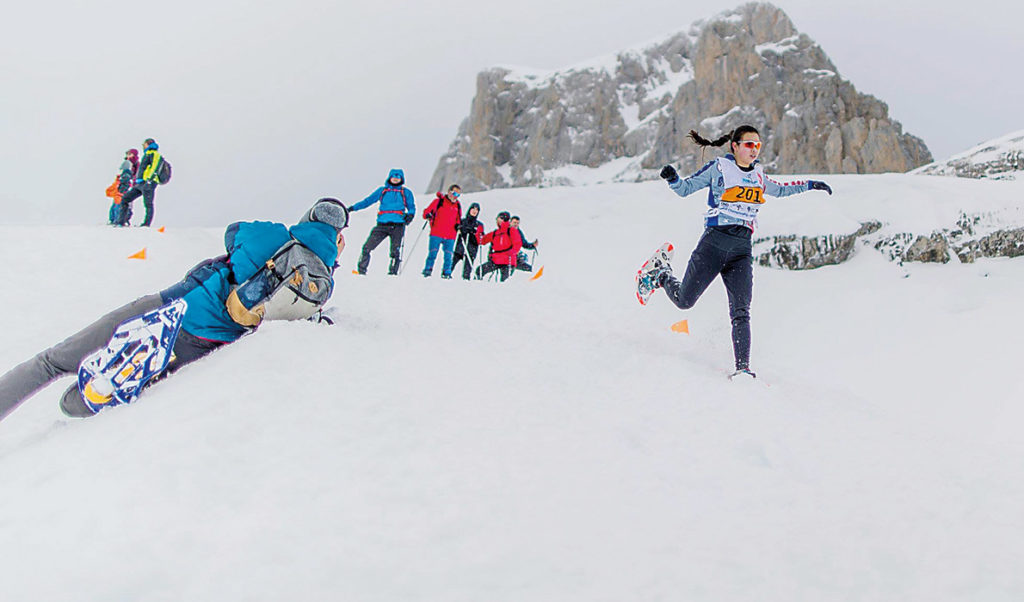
[455, 236]
[137, 177]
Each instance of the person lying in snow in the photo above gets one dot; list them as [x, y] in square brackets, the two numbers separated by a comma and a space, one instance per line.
[213, 317]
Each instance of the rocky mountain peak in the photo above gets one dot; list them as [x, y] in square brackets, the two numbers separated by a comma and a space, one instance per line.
[620, 118]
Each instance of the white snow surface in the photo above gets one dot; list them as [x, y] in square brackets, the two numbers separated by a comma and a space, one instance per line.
[541, 440]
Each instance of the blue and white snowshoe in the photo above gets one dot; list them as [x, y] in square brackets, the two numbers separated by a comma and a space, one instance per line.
[139, 350]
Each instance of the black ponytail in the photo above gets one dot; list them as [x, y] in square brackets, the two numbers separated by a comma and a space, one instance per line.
[702, 141]
[733, 136]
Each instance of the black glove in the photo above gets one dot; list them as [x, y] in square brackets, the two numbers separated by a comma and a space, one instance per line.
[408, 218]
[430, 216]
[816, 185]
[669, 173]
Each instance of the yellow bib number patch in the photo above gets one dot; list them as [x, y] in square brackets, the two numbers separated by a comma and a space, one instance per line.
[744, 194]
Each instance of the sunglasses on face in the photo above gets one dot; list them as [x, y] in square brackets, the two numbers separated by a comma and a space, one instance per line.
[754, 144]
[455, 194]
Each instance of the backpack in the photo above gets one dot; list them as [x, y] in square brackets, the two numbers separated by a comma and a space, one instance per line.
[292, 285]
[163, 173]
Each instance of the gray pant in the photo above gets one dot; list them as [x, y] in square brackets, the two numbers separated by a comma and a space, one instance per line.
[63, 359]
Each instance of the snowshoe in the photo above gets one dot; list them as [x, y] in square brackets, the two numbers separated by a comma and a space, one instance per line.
[648, 277]
[139, 350]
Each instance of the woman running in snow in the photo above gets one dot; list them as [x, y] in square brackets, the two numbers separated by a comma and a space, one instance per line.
[737, 186]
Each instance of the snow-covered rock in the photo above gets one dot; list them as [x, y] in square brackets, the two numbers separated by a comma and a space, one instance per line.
[998, 159]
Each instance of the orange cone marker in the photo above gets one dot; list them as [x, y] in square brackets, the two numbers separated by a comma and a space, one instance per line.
[161, 229]
[140, 255]
[681, 326]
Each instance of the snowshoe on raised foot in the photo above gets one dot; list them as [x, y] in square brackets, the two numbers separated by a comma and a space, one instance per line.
[648, 277]
[139, 350]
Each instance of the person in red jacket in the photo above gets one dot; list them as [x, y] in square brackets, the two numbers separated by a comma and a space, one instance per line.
[444, 215]
[505, 245]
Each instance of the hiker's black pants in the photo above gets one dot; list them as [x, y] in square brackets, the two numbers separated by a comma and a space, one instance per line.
[147, 190]
[504, 270]
[379, 232]
[467, 256]
[726, 251]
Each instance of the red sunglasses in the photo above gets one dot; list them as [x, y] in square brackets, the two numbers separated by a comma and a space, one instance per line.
[754, 144]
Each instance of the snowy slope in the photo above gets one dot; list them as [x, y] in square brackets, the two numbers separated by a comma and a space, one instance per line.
[999, 159]
[546, 440]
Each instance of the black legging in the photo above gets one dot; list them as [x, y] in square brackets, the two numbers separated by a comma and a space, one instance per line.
[725, 251]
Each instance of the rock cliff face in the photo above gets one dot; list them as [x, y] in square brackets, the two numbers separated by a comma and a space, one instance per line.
[622, 118]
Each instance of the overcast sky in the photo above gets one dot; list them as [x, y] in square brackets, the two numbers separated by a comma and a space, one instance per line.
[264, 106]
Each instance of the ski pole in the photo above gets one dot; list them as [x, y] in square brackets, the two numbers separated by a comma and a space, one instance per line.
[537, 272]
[411, 249]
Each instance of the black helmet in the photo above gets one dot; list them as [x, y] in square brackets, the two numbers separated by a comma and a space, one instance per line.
[327, 211]
[505, 216]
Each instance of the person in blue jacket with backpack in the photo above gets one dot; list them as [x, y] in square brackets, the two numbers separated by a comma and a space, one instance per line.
[206, 288]
[397, 210]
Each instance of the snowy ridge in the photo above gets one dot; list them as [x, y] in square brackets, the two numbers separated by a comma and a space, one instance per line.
[999, 158]
[545, 440]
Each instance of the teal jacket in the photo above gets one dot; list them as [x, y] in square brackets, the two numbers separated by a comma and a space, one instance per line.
[249, 245]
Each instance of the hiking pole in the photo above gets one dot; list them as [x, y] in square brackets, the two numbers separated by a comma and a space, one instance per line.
[401, 267]
[538, 272]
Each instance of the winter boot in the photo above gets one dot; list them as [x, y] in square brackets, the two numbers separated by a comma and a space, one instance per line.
[742, 374]
[653, 272]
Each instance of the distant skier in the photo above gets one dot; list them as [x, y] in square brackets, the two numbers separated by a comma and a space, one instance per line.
[522, 261]
[470, 230]
[397, 210]
[146, 181]
[208, 323]
[505, 244]
[444, 214]
[120, 212]
[737, 186]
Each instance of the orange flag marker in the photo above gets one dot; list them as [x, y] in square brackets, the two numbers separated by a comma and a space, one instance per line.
[681, 326]
[161, 228]
[140, 255]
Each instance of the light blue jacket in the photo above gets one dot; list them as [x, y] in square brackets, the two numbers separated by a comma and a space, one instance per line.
[711, 177]
[395, 202]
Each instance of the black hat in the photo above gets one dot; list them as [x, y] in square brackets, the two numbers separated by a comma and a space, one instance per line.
[327, 211]
[504, 215]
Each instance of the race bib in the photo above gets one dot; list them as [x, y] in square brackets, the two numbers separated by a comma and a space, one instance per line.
[744, 194]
